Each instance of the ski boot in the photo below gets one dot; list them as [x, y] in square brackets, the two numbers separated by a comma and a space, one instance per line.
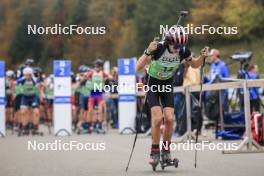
[16, 127]
[100, 131]
[154, 160]
[75, 125]
[9, 125]
[99, 128]
[79, 131]
[166, 160]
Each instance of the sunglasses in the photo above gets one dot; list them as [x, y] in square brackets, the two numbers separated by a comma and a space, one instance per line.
[177, 46]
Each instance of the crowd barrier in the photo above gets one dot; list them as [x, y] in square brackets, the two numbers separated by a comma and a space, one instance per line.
[248, 145]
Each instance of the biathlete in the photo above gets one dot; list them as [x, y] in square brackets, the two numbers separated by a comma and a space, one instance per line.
[97, 78]
[49, 97]
[84, 89]
[163, 58]
[29, 103]
[9, 90]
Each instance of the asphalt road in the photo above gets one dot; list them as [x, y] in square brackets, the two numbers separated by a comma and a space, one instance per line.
[16, 160]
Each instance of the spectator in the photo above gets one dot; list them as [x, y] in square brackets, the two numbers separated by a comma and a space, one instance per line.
[218, 71]
[192, 76]
[217, 67]
[254, 93]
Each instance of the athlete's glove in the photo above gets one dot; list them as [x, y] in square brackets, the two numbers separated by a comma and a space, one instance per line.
[185, 54]
[152, 47]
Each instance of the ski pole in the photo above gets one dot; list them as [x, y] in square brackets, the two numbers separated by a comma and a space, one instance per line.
[201, 109]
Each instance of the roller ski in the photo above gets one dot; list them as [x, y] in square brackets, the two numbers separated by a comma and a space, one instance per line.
[23, 132]
[166, 160]
[83, 131]
[75, 126]
[99, 128]
[36, 132]
[154, 160]
[99, 131]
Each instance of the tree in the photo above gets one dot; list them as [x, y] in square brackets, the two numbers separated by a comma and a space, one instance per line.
[24, 45]
[207, 12]
[76, 46]
[247, 20]
[149, 15]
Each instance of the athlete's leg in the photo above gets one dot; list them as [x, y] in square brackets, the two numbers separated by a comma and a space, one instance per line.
[74, 113]
[169, 118]
[156, 121]
[82, 111]
[35, 104]
[24, 111]
[168, 122]
[91, 115]
[100, 108]
[36, 115]
[9, 112]
[30, 115]
[11, 117]
[100, 115]
[85, 108]
[75, 109]
[17, 115]
[153, 99]
[42, 113]
[17, 118]
[49, 105]
[24, 118]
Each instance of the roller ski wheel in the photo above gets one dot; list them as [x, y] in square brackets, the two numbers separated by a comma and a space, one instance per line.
[78, 131]
[23, 133]
[167, 161]
[100, 131]
[154, 161]
[83, 131]
[174, 162]
[19, 133]
[37, 133]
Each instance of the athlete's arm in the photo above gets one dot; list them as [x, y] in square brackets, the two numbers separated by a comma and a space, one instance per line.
[41, 93]
[197, 62]
[146, 57]
[12, 89]
[142, 62]
[88, 75]
[105, 76]
[77, 84]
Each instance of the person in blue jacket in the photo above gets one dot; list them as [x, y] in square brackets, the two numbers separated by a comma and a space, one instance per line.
[217, 66]
[218, 69]
[254, 92]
